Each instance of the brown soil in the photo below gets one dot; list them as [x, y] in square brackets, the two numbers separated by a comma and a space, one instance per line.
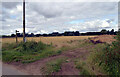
[67, 69]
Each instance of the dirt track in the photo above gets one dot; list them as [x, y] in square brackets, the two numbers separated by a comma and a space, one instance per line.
[66, 68]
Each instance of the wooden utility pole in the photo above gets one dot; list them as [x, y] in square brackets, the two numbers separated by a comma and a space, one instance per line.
[24, 40]
[16, 36]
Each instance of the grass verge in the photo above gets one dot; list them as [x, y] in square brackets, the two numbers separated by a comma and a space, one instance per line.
[106, 59]
[27, 52]
[94, 58]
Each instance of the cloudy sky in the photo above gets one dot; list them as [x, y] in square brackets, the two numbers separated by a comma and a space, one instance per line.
[48, 17]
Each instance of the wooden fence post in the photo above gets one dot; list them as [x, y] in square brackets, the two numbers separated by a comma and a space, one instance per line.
[16, 36]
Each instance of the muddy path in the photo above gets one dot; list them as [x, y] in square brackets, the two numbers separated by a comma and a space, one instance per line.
[66, 68]
[69, 68]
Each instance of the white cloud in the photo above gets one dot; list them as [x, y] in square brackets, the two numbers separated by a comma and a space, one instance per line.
[46, 17]
[105, 24]
[43, 31]
[19, 7]
[12, 11]
[94, 25]
[72, 29]
[55, 31]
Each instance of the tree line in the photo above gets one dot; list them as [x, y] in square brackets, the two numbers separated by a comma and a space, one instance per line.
[66, 33]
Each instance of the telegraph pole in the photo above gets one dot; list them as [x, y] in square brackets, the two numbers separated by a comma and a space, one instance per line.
[24, 40]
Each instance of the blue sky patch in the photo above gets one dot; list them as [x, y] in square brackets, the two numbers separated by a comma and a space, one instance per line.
[13, 16]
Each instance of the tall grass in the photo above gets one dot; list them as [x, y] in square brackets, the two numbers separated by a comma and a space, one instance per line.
[107, 57]
[82, 66]
[111, 56]
[27, 52]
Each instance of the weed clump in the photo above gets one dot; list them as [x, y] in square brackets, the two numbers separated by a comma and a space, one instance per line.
[27, 52]
[53, 66]
[29, 47]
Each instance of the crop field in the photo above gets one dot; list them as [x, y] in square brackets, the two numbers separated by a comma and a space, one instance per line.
[56, 41]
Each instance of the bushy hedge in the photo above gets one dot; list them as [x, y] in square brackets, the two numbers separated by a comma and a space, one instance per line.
[110, 59]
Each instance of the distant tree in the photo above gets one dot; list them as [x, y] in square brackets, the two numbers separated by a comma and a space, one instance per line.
[65, 33]
[37, 35]
[45, 35]
[32, 34]
[104, 31]
[55, 33]
[71, 34]
[112, 31]
[108, 32]
[77, 33]
[12, 35]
